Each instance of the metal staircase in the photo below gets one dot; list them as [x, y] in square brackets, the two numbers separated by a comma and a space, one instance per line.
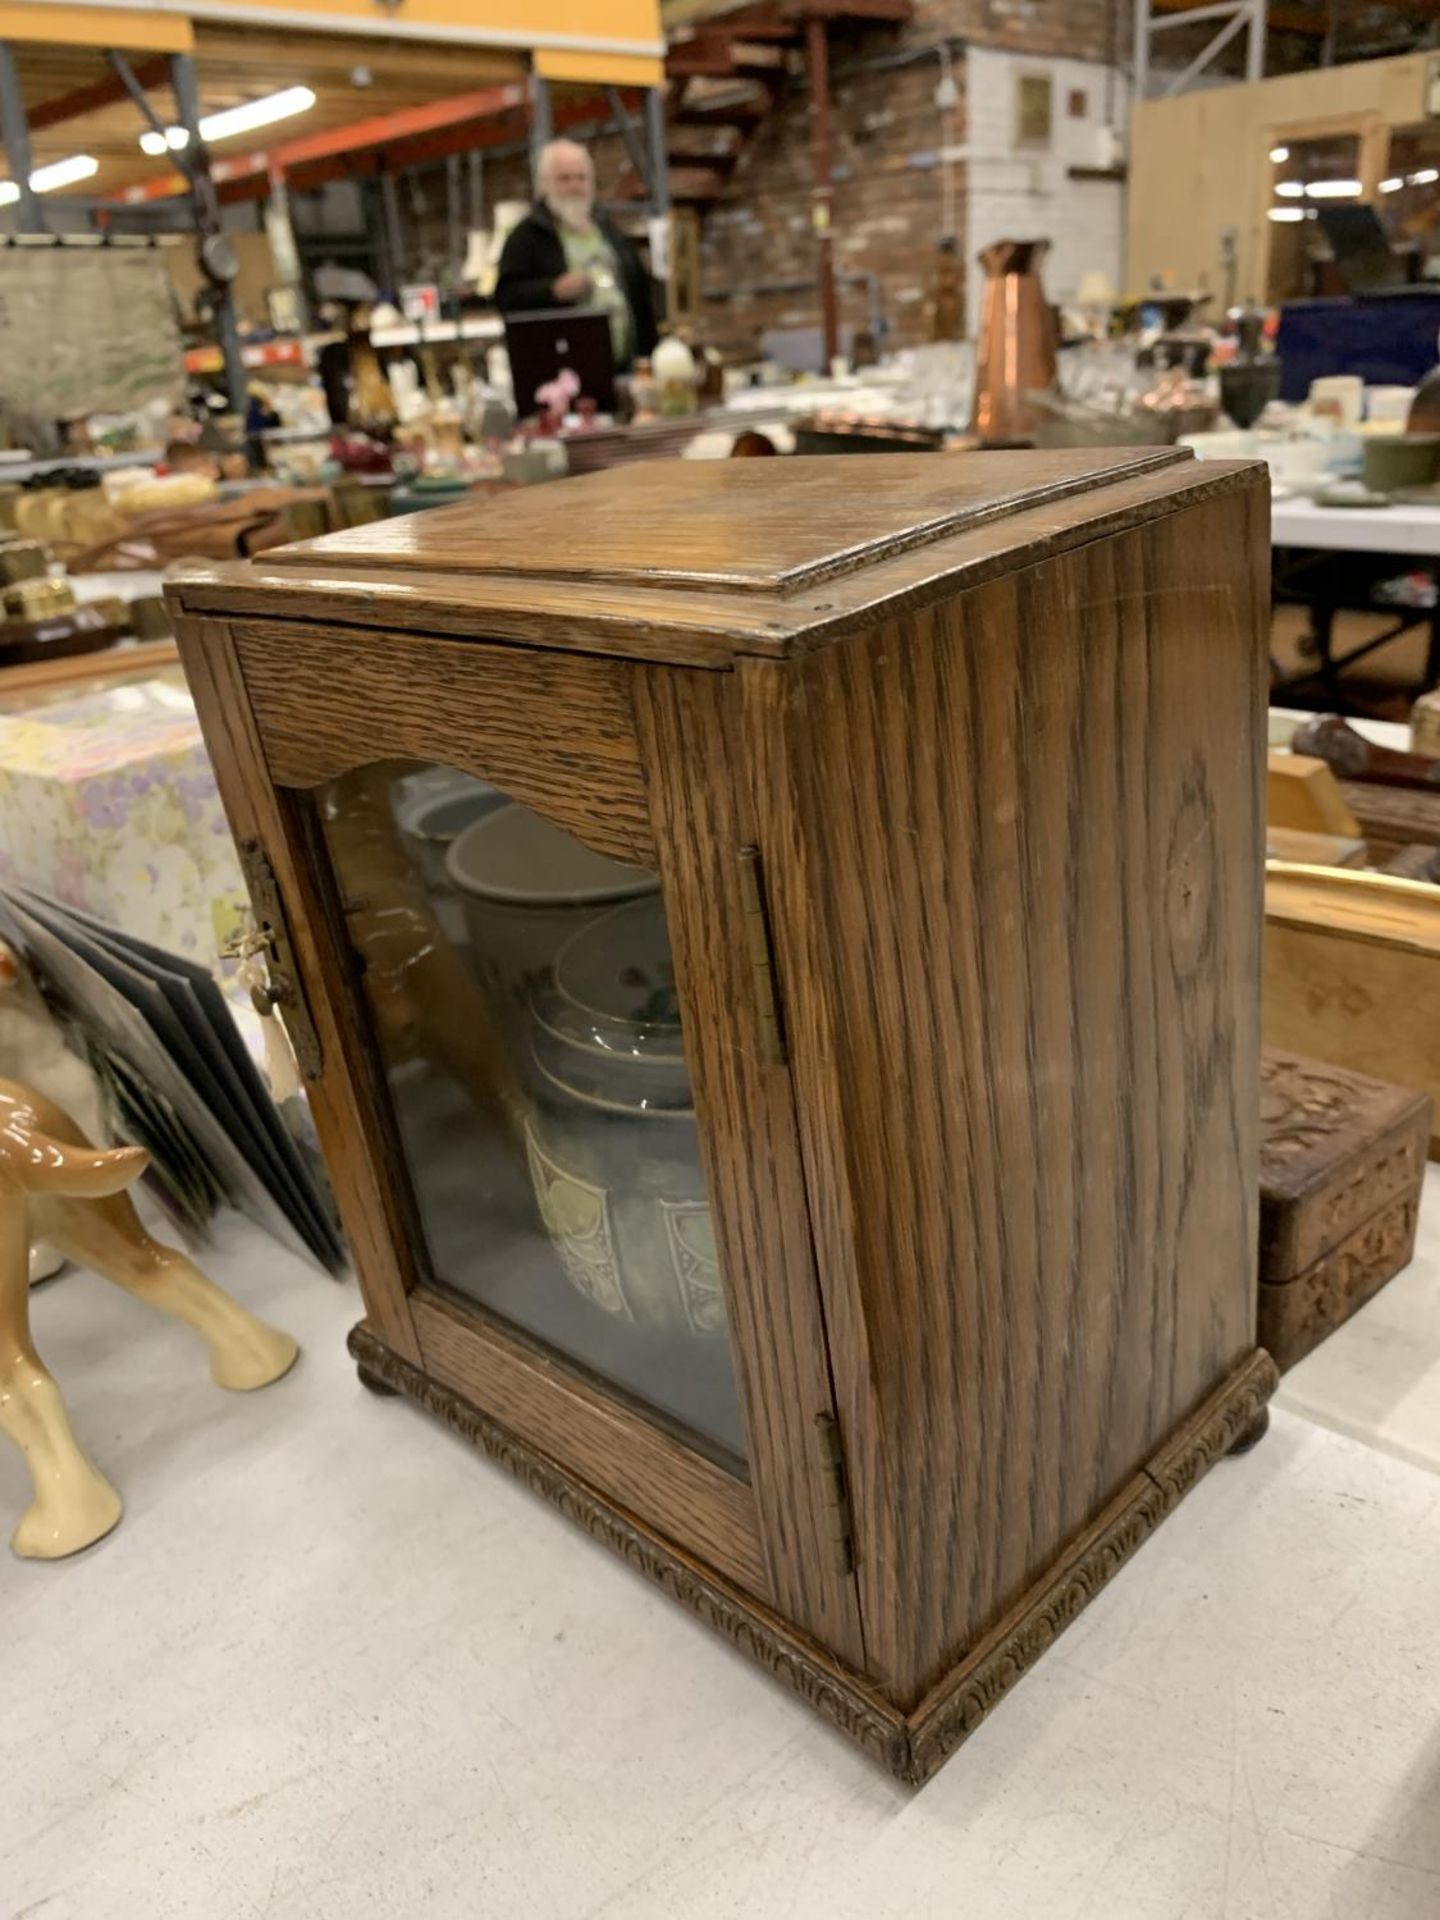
[726, 66]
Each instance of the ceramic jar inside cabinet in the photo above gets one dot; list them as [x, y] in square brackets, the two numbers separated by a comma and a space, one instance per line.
[774, 951]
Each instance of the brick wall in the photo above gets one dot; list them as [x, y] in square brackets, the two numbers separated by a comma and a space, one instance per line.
[757, 242]
[1077, 28]
[889, 190]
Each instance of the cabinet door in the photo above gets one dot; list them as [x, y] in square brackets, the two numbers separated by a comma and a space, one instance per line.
[523, 896]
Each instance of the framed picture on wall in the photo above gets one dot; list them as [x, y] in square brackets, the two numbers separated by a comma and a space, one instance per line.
[1034, 109]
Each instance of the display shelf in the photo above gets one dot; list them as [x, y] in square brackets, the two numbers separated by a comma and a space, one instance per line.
[487, 326]
[301, 352]
[262, 353]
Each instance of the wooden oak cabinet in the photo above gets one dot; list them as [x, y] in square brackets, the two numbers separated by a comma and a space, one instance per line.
[775, 950]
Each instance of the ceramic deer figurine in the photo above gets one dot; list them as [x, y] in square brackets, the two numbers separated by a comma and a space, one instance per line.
[33, 1051]
[54, 1185]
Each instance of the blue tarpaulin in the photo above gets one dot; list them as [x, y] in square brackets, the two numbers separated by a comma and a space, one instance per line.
[1390, 340]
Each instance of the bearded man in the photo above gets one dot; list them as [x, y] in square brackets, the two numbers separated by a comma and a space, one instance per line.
[566, 254]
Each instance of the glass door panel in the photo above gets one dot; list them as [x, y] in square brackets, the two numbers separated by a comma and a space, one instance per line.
[1410, 200]
[523, 1001]
[1311, 180]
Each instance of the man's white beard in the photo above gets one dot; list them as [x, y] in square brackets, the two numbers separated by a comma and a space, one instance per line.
[575, 209]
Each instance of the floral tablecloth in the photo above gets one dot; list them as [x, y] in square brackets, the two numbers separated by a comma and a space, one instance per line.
[108, 802]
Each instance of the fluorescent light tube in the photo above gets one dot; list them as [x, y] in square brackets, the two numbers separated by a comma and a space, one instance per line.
[59, 173]
[231, 121]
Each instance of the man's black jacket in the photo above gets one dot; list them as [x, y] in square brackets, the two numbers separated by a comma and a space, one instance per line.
[533, 259]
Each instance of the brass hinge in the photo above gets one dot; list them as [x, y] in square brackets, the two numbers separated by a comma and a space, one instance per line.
[837, 1492]
[284, 993]
[762, 958]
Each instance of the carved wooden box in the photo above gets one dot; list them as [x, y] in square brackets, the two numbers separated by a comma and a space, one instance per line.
[1352, 973]
[775, 947]
[1342, 1163]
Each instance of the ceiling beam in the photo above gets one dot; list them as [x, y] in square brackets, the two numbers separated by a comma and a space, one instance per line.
[382, 130]
[897, 11]
[274, 58]
[505, 129]
[510, 129]
[495, 117]
[1279, 17]
[102, 93]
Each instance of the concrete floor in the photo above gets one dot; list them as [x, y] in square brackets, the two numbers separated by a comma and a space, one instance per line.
[334, 1665]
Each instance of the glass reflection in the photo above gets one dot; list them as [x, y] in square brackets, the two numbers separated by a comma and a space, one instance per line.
[523, 999]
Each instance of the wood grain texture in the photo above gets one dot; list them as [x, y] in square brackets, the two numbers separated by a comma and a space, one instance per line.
[624, 1456]
[987, 1196]
[1393, 817]
[1313, 849]
[552, 732]
[746, 525]
[689, 728]
[680, 629]
[1425, 725]
[1302, 792]
[691, 626]
[77, 669]
[1406, 863]
[953, 1709]
[911, 1748]
[1015, 846]
[1355, 757]
[911, 581]
[1342, 1163]
[370, 1206]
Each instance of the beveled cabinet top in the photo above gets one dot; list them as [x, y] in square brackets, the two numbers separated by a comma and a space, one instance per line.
[770, 526]
[697, 561]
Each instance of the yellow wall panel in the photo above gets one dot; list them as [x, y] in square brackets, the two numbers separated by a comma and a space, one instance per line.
[627, 27]
[1200, 163]
[129, 29]
[600, 69]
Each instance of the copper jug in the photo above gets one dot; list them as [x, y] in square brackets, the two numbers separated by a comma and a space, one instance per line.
[1015, 354]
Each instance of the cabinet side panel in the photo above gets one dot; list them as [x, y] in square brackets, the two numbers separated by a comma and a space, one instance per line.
[1032, 837]
[369, 1207]
[690, 736]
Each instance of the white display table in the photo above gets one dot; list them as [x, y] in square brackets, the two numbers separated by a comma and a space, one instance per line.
[1399, 529]
[1333, 560]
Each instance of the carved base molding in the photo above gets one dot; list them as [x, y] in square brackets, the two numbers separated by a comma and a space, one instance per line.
[909, 1746]
[954, 1709]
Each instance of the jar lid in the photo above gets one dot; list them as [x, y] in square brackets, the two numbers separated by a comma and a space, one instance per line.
[517, 856]
[617, 972]
[441, 810]
[607, 1027]
[639, 1088]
